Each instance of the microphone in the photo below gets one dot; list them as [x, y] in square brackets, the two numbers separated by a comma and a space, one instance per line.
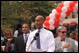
[35, 37]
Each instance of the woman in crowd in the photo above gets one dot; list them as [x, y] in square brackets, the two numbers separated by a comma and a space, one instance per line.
[7, 39]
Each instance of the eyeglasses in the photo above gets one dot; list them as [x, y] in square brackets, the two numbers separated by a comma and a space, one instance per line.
[63, 32]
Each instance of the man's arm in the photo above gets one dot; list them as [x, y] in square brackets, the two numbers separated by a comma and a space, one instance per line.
[51, 43]
[59, 49]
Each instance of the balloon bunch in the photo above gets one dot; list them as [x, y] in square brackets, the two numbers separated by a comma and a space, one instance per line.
[58, 15]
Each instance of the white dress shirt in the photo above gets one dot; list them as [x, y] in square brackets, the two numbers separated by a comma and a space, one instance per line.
[26, 34]
[65, 49]
[47, 42]
[62, 43]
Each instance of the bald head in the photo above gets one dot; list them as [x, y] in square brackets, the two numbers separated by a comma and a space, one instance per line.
[39, 20]
[40, 17]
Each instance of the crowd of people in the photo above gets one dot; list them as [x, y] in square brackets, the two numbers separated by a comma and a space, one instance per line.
[63, 39]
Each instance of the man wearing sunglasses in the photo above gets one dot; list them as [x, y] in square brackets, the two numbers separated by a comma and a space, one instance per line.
[62, 42]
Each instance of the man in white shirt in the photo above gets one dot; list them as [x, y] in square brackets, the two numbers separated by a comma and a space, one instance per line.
[47, 43]
[62, 42]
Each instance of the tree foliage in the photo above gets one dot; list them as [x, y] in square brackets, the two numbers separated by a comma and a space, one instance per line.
[15, 12]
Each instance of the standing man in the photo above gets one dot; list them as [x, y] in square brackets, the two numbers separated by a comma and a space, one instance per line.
[20, 42]
[40, 38]
[62, 42]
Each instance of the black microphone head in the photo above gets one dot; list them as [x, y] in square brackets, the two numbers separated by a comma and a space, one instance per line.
[36, 35]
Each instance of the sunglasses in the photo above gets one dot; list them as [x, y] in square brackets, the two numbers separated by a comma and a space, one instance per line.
[63, 32]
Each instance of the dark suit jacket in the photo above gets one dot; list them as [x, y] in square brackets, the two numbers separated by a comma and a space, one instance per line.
[19, 44]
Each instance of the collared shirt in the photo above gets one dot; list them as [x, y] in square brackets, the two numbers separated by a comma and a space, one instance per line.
[26, 34]
[63, 42]
[65, 49]
[47, 42]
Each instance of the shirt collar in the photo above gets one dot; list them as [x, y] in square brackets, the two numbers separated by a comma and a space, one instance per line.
[41, 29]
[27, 33]
[60, 38]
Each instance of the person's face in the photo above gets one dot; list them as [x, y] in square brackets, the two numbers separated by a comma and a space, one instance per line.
[62, 33]
[8, 34]
[71, 36]
[25, 28]
[38, 23]
[76, 35]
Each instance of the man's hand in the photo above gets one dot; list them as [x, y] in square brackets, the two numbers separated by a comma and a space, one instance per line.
[66, 45]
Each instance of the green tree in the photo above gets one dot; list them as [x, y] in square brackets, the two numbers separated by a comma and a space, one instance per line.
[15, 12]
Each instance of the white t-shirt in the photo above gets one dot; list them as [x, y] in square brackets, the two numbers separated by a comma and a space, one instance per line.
[16, 33]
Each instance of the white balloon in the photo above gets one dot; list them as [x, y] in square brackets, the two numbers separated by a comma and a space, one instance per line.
[75, 9]
[62, 19]
[54, 11]
[51, 27]
[64, 9]
[52, 15]
[66, 3]
[63, 15]
[51, 21]
[43, 25]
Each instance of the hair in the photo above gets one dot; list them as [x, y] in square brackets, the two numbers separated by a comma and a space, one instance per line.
[60, 27]
[7, 31]
[27, 24]
[73, 34]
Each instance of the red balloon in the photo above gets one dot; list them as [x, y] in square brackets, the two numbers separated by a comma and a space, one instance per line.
[61, 5]
[58, 9]
[72, 4]
[69, 11]
[46, 23]
[75, 2]
[67, 14]
[47, 27]
[56, 24]
[57, 15]
[47, 18]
